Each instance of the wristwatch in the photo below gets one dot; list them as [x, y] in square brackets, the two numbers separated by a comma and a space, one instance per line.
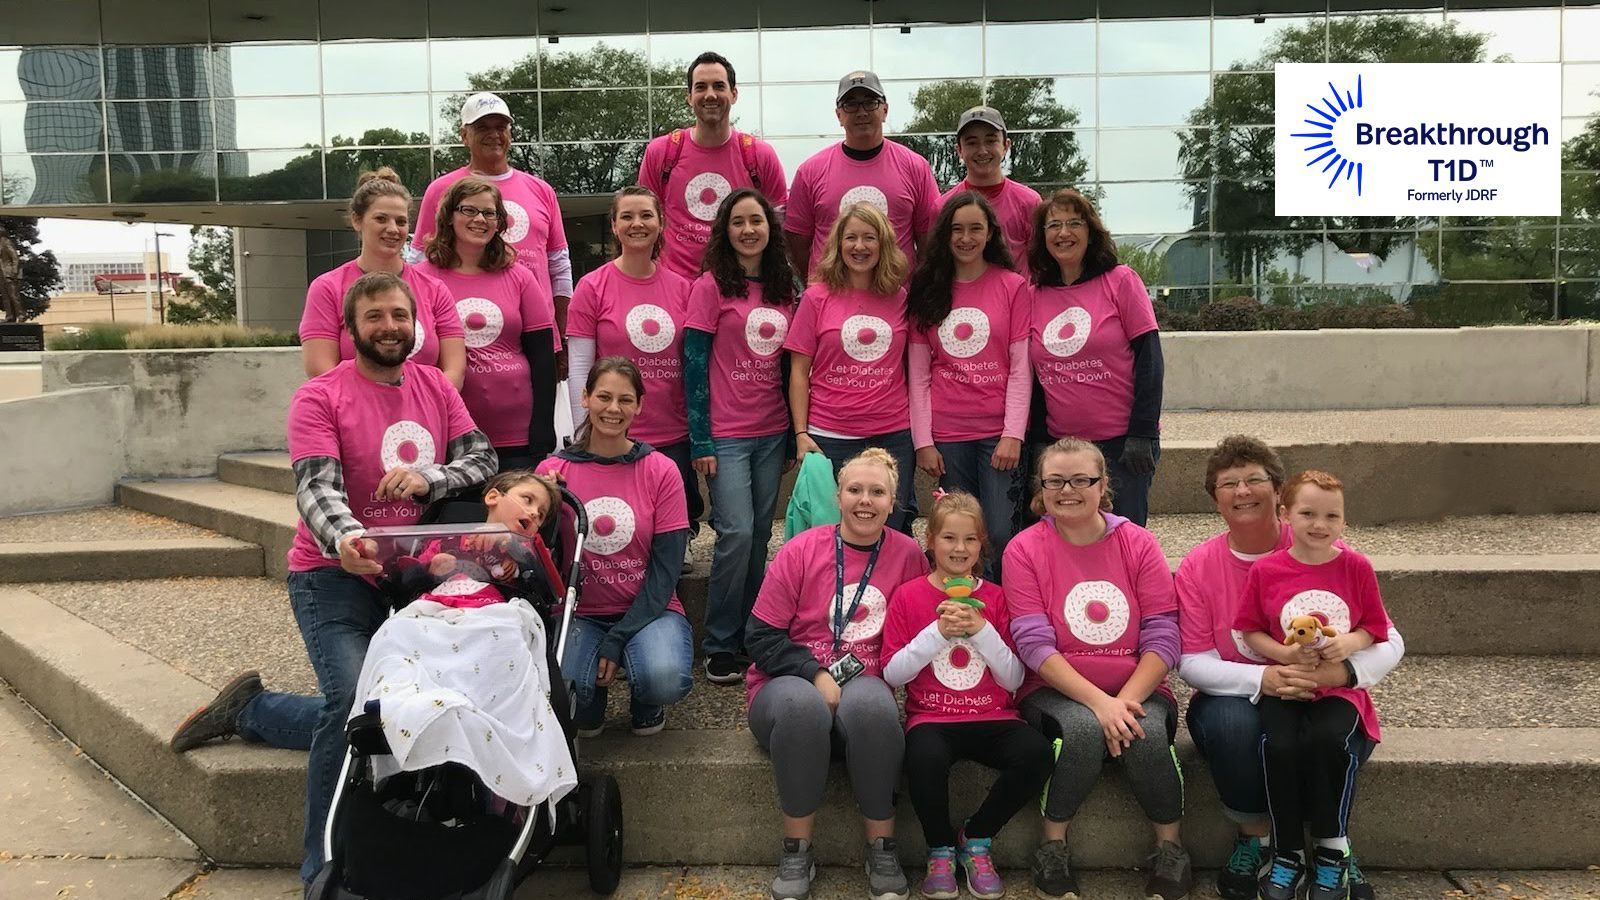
[1350, 678]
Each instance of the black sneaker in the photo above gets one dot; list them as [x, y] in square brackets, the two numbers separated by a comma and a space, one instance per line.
[1052, 875]
[1330, 879]
[1171, 874]
[1283, 879]
[725, 668]
[220, 717]
[1360, 887]
[1237, 880]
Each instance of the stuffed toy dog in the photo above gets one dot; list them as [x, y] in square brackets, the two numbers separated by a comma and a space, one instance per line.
[1308, 630]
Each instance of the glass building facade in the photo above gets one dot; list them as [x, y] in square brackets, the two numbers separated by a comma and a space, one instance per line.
[1161, 110]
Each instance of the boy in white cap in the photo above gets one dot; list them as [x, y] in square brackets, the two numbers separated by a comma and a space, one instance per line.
[982, 144]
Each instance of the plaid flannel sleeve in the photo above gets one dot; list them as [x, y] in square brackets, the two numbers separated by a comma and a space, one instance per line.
[320, 498]
[472, 461]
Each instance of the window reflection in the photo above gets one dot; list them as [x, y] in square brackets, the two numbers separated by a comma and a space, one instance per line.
[1145, 153]
[11, 128]
[376, 120]
[266, 70]
[595, 115]
[801, 109]
[59, 128]
[590, 168]
[610, 61]
[486, 65]
[808, 54]
[1046, 48]
[1164, 46]
[59, 178]
[1580, 33]
[374, 68]
[1497, 254]
[163, 177]
[794, 151]
[1245, 42]
[674, 51]
[270, 175]
[1524, 35]
[1580, 89]
[928, 52]
[160, 126]
[1147, 207]
[264, 124]
[1580, 252]
[1580, 197]
[345, 166]
[157, 73]
[1135, 100]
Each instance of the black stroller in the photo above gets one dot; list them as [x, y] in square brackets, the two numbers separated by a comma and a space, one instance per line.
[439, 833]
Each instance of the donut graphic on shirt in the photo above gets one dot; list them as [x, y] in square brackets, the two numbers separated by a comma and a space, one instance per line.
[406, 443]
[1244, 649]
[611, 525]
[1096, 612]
[959, 666]
[481, 320]
[516, 222]
[650, 328]
[704, 193]
[1327, 606]
[418, 337]
[965, 332]
[1068, 332]
[868, 621]
[865, 193]
[764, 330]
[866, 338]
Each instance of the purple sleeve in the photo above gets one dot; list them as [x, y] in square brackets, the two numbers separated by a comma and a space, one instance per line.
[1035, 639]
[1158, 634]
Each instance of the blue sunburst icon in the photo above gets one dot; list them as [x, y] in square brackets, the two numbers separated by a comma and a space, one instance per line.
[1333, 106]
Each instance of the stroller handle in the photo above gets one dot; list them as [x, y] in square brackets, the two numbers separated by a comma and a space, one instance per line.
[580, 528]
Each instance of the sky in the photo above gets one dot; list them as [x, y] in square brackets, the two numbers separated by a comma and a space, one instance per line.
[78, 236]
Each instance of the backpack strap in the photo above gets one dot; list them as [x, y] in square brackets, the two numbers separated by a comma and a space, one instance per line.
[674, 153]
[747, 143]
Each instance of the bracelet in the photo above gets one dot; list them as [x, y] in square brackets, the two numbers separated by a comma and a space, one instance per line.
[1350, 679]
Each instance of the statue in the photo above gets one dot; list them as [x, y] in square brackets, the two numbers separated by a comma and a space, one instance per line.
[10, 279]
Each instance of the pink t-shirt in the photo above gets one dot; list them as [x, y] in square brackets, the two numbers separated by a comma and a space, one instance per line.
[897, 181]
[1094, 596]
[1342, 592]
[628, 504]
[702, 178]
[371, 428]
[1210, 582]
[1080, 349]
[746, 358]
[495, 309]
[857, 344]
[642, 319]
[323, 316]
[1014, 204]
[533, 218]
[798, 596]
[971, 354]
[957, 686]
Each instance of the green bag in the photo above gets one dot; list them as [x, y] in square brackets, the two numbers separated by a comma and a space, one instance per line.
[812, 502]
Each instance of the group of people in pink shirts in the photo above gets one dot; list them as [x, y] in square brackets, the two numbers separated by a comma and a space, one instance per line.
[987, 337]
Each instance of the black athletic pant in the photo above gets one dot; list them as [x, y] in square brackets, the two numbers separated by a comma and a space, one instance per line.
[1310, 751]
[1020, 753]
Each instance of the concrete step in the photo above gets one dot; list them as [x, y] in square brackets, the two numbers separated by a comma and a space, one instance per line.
[84, 560]
[262, 517]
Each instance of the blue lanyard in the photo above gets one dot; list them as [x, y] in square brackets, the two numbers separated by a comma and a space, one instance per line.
[841, 617]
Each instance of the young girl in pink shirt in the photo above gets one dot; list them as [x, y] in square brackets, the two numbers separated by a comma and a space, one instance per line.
[1311, 749]
[968, 363]
[956, 662]
[847, 348]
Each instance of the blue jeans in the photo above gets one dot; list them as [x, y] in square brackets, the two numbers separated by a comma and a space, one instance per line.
[1130, 493]
[744, 496]
[1227, 731]
[898, 443]
[967, 468]
[657, 659]
[680, 454]
[337, 613]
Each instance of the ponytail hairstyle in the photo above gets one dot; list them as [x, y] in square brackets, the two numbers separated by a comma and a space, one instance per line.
[929, 297]
[384, 182]
[620, 365]
[1071, 445]
[874, 456]
[441, 248]
[722, 261]
[639, 190]
[959, 503]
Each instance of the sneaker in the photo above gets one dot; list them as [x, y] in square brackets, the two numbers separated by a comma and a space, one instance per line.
[650, 724]
[220, 717]
[1052, 876]
[1360, 887]
[725, 668]
[1283, 879]
[978, 867]
[1237, 880]
[885, 879]
[1330, 878]
[940, 882]
[1171, 875]
[796, 870]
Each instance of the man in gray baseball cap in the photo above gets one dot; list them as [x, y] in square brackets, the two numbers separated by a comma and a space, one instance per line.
[982, 144]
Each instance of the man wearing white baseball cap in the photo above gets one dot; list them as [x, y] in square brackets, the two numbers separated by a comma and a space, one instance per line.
[864, 167]
[982, 144]
[533, 218]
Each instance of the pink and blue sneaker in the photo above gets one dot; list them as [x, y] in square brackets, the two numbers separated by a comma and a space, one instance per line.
[940, 882]
[982, 880]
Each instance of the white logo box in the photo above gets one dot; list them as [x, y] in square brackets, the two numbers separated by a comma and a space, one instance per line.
[1417, 139]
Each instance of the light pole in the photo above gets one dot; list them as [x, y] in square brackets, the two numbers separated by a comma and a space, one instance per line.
[161, 277]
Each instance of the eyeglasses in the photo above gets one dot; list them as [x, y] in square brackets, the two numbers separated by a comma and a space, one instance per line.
[1254, 481]
[869, 105]
[1078, 482]
[1058, 224]
[472, 212]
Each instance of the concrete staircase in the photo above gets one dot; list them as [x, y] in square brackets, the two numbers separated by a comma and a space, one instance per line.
[1492, 729]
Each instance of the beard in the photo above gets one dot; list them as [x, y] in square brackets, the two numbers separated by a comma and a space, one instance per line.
[370, 351]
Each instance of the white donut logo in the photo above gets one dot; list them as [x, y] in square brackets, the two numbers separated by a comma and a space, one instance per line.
[481, 320]
[866, 338]
[611, 525]
[965, 332]
[1327, 606]
[959, 666]
[1244, 649]
[1097, 612]
[704, 193]
[868, 622]
[408, 444]
[650, 328]
[1056, 338]
[459, 587]
[865, 193]
[418, 336]
[516, 222]
[764, 330]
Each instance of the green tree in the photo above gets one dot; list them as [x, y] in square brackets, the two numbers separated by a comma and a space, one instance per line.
[40, 272]
[1026, 103]
[212, 298]
[1149, 262]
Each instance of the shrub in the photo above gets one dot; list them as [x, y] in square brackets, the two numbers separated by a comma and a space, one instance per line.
[1230, 314]
[109, 336]
[97, 336]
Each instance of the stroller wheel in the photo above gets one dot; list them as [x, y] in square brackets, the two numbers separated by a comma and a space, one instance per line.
[324, 886]
[504, 882]
[603, 840]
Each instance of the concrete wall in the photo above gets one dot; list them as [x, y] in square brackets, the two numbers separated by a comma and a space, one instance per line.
[64, 449]
[271, 285]
[187, 406]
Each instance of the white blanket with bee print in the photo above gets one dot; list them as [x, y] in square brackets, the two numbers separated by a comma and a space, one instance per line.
[469, 686]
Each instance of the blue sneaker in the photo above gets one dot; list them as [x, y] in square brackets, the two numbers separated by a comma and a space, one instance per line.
[1284, 879]
[1237, 880]
[1330, 879]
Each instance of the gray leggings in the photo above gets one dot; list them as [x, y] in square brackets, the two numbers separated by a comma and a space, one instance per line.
[792, 723]
[1150, 763]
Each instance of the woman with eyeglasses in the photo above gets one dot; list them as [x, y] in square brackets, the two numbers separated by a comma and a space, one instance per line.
[1097, 661]
[509, 322]
[1095, 348]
